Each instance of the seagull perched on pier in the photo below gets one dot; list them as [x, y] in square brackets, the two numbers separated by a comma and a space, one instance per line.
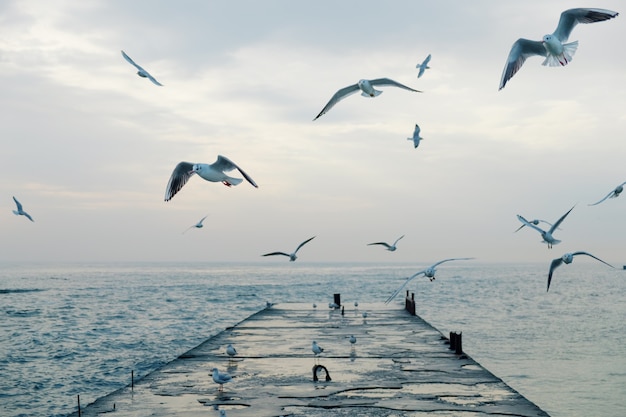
[316, 348]
[220, 378]
[292, 256]
[423, 67]
[416, 136]
[553, 46]
[367, 90]
[140, 71]
[428, 272]
[389, 247]
[214, 172]
[568, 258]
[20, 211]
[352, 340]
[231, 351]
[613, 194]
[546, 235]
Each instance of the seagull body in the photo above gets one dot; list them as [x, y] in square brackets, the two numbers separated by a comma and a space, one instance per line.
[198, 225]
[389, 247]
[215, 172]
[613, 194]
[568, 258]
[416, 136]
[220, 378]
[352, 339]
[230, 350]
[140, 71]
[546, 234]
[553, 47]
[333, 305]
[20, 211]
[292, 256]
[367, 90]
[428, 272]
[316, 348]
[423, 67]
[535, 222]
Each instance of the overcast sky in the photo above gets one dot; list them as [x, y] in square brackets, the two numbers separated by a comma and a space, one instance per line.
[87, 146]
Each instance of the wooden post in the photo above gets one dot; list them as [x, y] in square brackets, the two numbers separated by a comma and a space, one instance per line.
[409, 303]
[337, 298]
[132, 380]
[459, 344]
[78, 398]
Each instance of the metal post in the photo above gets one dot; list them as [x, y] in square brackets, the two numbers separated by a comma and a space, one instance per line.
[337, 298]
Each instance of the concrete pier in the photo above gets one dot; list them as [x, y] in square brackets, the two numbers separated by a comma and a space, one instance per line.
[399, 366]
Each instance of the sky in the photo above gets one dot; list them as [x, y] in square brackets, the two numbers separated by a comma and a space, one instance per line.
[87, 146]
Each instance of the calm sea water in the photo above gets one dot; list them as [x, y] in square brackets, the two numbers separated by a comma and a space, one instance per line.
[69, 329]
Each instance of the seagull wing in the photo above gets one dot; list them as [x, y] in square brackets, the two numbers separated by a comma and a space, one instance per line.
[558, 222]
[277, 253]
[390, 82]
[553, 265]
[127, 58]
[339, 95]
[527, 223]
[409, 279]
[153, 79]
[19, 205]
[224, 164]
[380, 243]
[449, 259]
[303, 243]
[594, 257]
[27, 216]
[394, 243]
[417, 131]
[570, 18]
[607, 196]
[521, 49]
[178, 179]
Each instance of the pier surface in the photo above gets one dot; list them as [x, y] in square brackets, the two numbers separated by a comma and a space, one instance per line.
[399, 366]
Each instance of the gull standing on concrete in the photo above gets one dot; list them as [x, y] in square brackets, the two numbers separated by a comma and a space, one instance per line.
[613, 194]
[140, 71]
[214, 172]
[367, 90]
[220, 378]
[352, 340]
[292, 256]
[423, 67]
[568, 258]
[553, 46]
[535, 222]
[428, 272]
[416, 136]
[547, 235]
[198, 225]
[317, 349]
[231, 351]
[20, 211]
[389, 247]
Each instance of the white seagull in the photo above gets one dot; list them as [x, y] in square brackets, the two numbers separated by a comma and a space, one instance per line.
[615, 193]
[316, 348]
[389, 247]
[198, 225]
[423, 67]
[416, 136]
[230, 350]
[568, 258]
[546, 235]
[20, 211]
[367, 90]
[292, 256]
[535, 222]
[553, 46]
[428, 272]
[214, 172]
[140, 71]
[220, 378]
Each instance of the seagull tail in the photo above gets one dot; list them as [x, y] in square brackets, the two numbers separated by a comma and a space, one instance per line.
[234, 181]
[569, 49]
[376, 93]
[16, 213]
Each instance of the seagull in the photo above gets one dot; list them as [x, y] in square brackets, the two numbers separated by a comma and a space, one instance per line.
[428, 272]
[615, 193]
[230, 350]
[222, 413]
[214, 172]
[568, 258]
[546, 235]
[553, 46]
[389, 247]
[423, 67]
[535, 222]
[140, 71]
[416, 136]
[316, 348]
[220, 378]
[198, 225]
[352, 340]
[333, 305]
[20, 211]
[292, 256]
[367, 90]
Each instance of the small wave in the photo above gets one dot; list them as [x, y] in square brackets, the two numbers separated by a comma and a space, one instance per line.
[19, 290]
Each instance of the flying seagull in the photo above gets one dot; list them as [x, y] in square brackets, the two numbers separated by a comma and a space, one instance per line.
[535, 222]
[367, 90]
[292, 256]
[214, 172]
[416, 136]
[389, 247]
[553, 46]
[140, 71]
[546, 235]
[198, 225]
[615, 193]
[568, 258]
[20, 211]
[423, 66]
[220, 378]
[428, 272]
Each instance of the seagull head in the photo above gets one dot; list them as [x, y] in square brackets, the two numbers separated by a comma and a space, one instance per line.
[195, 168]
[430, 273]
[567, 258]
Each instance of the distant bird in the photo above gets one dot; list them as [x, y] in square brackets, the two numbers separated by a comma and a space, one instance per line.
[423, 67]
[389, 247]
[198, 225]
[334, 306]
[20, 211]
[222, 413]
[314, 305]
[140, 71]
[352, 339]
[416, 136]
[546, 235]
[364, 314]
[292, 256]
[367, 90]
[316, 348]
[221, 378]
[535, 222]
[428, 272]
[231, 351]
[356, 303]
[553, 46]
[613, 194]
[214, 172]
[568, 258]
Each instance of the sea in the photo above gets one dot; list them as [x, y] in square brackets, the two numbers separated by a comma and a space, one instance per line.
[69, 329]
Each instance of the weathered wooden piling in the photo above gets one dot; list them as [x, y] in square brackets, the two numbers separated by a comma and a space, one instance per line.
[409, 303]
